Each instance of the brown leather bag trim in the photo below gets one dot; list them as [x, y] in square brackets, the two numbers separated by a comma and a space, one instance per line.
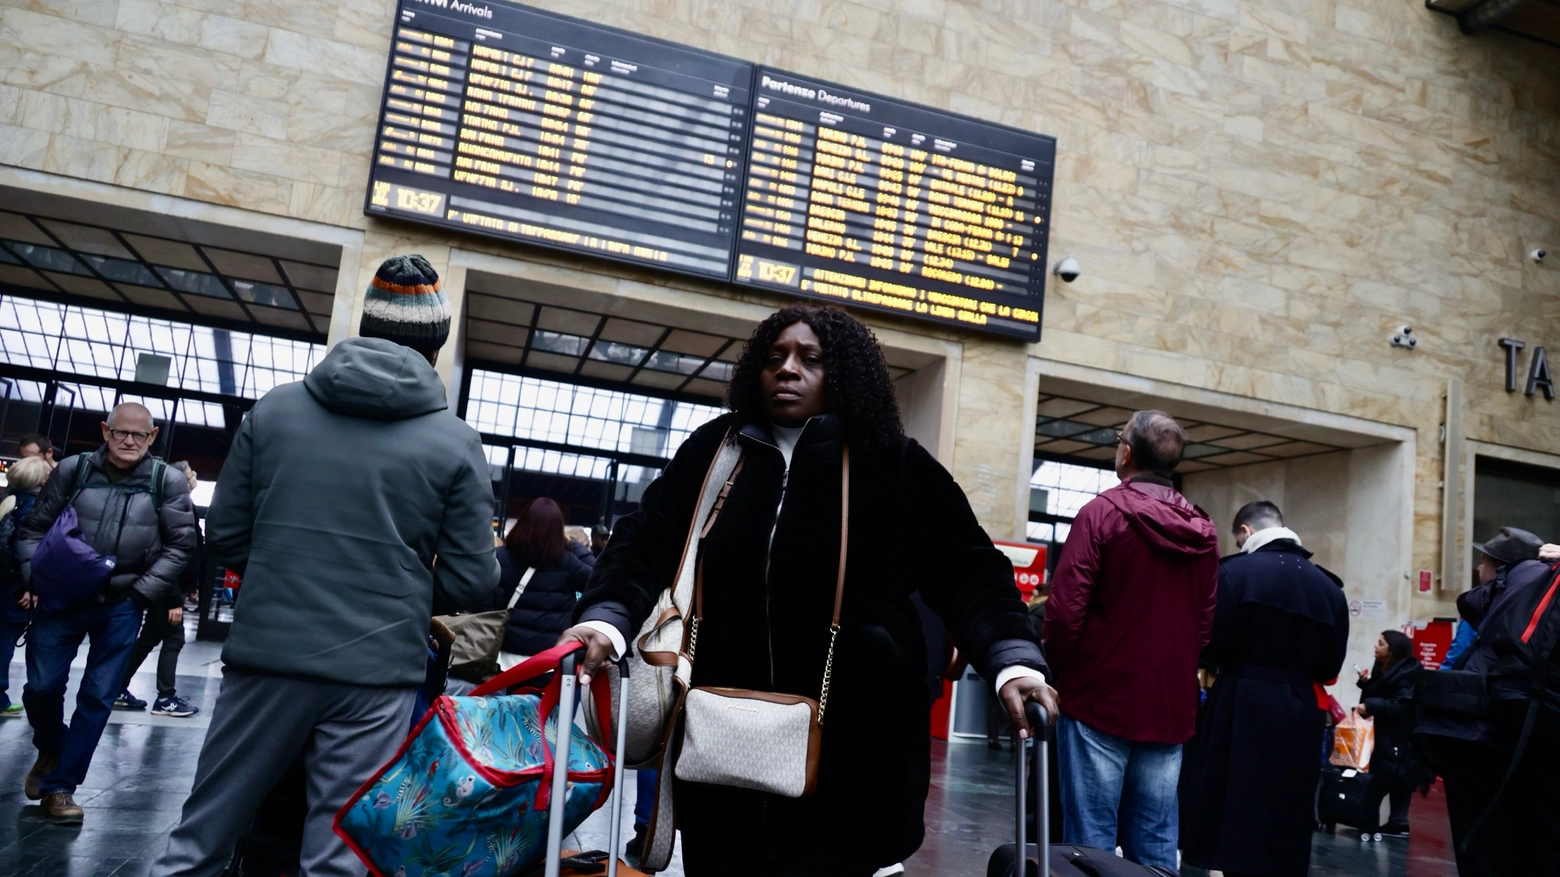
[658, 659]
[669, 753]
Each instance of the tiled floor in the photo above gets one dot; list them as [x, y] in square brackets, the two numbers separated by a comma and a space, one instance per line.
[145, 765]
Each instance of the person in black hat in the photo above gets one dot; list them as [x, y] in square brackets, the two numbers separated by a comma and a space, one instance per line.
[1465, 749]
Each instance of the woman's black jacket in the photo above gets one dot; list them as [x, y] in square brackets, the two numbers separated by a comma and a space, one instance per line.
[1389, 696]
[769, 579]
[546, 607]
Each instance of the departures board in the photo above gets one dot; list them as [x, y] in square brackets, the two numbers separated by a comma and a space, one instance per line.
[861, 199]
[530, 126]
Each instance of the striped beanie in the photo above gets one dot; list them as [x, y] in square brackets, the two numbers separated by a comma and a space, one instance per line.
[405, 304]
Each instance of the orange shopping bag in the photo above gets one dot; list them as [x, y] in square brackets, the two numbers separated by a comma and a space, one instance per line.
[1353, 741]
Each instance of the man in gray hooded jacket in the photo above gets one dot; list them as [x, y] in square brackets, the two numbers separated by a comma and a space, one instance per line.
[351, 502]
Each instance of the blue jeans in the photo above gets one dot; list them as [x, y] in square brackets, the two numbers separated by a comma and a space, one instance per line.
[55, 639]
[1117, 791]
[644, 797]
[13, 620]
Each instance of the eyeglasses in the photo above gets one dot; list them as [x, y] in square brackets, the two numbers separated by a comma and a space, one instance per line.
[122, 434]
[1120, 438]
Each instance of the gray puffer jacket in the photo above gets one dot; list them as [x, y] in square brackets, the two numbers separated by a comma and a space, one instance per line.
[151, 548]
[350, 502]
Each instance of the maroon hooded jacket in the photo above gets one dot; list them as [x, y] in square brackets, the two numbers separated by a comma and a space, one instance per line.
[1131, 607]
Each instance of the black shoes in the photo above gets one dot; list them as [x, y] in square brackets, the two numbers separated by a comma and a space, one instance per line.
[1395, 829]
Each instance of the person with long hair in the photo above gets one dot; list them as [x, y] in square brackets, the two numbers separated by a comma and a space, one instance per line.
[1387, 696]
[546, 606]
[810, 383]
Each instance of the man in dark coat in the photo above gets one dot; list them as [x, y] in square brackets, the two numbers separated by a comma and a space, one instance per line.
[339, 494]
[1250, 774]
[149, 528]
[1467, 750]
[1131, 606]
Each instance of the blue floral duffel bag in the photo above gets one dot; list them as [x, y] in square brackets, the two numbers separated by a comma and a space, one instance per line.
[468, 794]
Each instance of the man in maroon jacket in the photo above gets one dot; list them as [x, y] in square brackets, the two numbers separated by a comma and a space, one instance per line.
[1131, 607]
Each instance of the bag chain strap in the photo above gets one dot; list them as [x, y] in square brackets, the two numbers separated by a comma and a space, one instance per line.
[839, 584]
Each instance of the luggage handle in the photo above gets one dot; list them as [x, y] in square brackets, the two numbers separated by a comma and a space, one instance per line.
[1040, 721]
[560, 777]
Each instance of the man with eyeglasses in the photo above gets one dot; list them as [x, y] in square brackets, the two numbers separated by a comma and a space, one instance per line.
[149, 528]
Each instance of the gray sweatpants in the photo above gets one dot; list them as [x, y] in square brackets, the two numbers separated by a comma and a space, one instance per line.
[258, 726]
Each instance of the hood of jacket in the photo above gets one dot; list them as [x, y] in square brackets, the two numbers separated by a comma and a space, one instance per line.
[376, 379]
[1164, 519]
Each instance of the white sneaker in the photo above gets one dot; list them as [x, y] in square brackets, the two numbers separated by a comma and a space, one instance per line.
[890, 871]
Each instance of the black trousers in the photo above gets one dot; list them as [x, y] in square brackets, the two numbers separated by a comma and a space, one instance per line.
[714, 855]
[154, 630]
[1522, 833]
[1470, 773]
[1401, 798]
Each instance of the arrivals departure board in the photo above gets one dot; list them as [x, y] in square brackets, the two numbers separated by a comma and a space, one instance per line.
[859, 199]
[535, 127]
[511, 122]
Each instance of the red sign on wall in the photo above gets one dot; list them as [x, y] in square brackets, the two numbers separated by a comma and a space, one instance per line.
[1426, 581]
[1431, 642]
[1028, 565]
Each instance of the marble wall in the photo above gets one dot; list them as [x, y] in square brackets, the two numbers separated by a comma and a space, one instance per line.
[1258, 190]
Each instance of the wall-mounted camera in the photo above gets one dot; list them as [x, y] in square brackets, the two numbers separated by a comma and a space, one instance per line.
[1405, 338]
[1067, 269]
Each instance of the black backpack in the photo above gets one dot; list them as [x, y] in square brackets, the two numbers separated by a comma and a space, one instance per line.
[1526, 639]
[9, 568]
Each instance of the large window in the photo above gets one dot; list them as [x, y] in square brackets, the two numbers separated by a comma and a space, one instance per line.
[586, 418]
[1507, 494]
[1067, 488]
[84, 343]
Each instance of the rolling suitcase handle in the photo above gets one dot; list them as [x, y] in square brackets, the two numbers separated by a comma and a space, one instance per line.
[1040, 721]
[615, 834]
[560, 779]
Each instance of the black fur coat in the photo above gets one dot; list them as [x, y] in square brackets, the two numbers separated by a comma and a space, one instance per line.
[769, 591]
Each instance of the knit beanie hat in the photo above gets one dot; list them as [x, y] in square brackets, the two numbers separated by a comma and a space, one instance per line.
[405, 304]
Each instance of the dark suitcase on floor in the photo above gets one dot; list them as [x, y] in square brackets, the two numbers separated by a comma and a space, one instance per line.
[1345, 798]
[1065, 860]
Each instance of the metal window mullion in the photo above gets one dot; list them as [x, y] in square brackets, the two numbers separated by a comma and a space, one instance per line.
[649, 354]
[595, 336]
[226, 283]
[288, 284]
[706, 364]
[75, 255]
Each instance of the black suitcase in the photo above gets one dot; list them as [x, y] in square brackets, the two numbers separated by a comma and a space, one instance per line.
[1065, 860]
[1345, 799]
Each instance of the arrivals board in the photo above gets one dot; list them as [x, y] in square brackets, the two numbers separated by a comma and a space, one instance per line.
[516, 123]
[873, 202]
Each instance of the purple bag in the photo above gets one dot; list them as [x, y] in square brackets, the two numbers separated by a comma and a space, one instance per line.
[65, 569]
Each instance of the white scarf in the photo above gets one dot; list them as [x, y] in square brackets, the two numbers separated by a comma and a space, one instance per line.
[1271, 534]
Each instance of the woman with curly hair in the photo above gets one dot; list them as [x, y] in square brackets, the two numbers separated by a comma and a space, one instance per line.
[810, 382]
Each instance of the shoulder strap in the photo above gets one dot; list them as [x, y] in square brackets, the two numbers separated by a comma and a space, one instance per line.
[839, 583]
[520, 588]
[159, 471]
[717, 483]
[78, 477]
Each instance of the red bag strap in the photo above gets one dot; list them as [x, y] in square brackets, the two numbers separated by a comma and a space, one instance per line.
[1538, 613]
[532, 667]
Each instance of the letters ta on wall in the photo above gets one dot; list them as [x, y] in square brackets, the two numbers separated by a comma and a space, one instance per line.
[1538, 376]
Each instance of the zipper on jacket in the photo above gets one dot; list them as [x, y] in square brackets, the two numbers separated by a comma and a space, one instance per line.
[769, 629]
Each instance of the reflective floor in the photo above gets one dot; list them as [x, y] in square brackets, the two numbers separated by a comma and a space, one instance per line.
[145, 765]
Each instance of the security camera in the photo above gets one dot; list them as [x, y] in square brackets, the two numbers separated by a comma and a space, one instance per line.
[1405, 338]
[1538, 255]
[1067, 269]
